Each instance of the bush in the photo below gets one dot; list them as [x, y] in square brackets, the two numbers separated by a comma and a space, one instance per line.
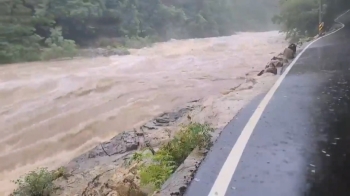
[39, 182]
[16, 52]
[186, 140]
[58, 47]
[157, 173]
[171, 156]
[35, 183]
[298, 18]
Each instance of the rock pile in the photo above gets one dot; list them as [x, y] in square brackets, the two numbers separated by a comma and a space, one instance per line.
[280, 60]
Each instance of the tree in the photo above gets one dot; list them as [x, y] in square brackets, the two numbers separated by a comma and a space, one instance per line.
[300, 17]
[26, 24]
[18, 39]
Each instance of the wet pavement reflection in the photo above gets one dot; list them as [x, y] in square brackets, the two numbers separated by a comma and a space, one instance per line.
[331, 175]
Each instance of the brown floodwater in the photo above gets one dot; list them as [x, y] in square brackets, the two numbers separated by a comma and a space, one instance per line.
[51, 112]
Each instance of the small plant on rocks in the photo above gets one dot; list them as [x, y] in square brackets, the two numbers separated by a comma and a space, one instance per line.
[39, 182]
[36, 183]
[170, 156]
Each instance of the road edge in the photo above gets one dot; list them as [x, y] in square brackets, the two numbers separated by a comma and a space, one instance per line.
[224, 177]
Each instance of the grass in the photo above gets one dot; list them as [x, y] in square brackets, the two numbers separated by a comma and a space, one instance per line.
[171, 155]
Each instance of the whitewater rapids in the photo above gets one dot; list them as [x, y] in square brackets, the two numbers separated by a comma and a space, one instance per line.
[50, 112]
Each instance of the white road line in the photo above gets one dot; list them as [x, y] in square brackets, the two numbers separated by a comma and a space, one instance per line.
[223, 180]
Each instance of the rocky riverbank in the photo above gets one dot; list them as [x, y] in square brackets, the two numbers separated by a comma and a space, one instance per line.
[98, 166]
[93, 172]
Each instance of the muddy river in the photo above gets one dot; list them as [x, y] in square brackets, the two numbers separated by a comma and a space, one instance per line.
[53, 111]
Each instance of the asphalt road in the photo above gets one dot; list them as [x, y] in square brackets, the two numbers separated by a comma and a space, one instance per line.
[300, 145]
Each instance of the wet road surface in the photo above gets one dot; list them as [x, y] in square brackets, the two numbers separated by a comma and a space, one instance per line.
[301, 143]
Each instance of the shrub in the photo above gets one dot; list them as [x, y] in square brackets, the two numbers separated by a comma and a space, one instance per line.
[171, 155]
[58, 47]
[158, 172]
[35, 183]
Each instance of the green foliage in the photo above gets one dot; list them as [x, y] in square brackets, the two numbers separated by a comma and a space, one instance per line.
[39, 182]
[136, 157]
[58, 46]
[300, 18]
[35, 183]
[25, 24]
[172, 154]
[15, 52]
[156, 174]
[17, 38]
[186, 140]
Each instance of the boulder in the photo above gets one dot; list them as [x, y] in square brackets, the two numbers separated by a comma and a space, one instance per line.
[124, 142]
[288, 53]
[271, 70]
[276, 63]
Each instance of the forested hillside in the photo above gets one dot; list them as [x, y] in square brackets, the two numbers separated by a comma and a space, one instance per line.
[26, 25]
[300, 17]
